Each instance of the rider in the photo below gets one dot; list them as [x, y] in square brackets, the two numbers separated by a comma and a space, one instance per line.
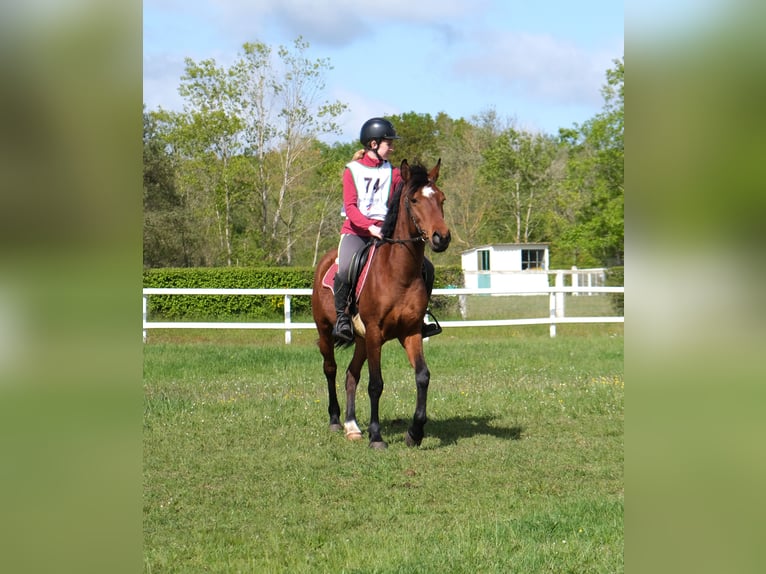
[368, 181]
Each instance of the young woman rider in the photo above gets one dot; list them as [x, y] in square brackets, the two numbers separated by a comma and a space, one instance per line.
[368, 182]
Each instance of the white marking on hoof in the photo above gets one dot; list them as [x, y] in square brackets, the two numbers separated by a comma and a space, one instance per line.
[352, 431]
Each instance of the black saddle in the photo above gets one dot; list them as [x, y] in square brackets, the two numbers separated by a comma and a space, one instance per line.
[358, 261]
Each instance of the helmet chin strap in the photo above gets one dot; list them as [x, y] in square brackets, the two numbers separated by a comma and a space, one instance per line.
[375, 151]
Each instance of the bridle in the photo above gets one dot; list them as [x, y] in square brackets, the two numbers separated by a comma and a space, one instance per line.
[421, 236]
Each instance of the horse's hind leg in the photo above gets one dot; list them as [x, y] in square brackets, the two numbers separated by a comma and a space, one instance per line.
[330, 368]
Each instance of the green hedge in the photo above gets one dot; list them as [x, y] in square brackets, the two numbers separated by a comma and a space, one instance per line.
[248, 307]
[209, 307]
[447, 276]
[615, 277]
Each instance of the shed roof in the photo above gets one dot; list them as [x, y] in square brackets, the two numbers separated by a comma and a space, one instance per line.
[522, 245]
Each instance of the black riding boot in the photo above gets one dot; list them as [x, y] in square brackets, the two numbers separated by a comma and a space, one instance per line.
[343, 331]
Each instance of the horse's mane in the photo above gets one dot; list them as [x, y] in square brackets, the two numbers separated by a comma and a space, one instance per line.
[418, 178]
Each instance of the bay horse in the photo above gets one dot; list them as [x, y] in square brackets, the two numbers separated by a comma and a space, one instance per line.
[391, 305]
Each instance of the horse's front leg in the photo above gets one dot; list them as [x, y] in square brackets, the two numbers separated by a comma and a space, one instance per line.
[350, 426]
[414, 347]
[375, 390]
[330, 368]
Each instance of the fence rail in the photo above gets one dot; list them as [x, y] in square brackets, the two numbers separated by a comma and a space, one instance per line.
[556, 308]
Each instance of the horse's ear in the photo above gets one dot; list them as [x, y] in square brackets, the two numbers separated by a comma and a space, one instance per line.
[433, 175]
[405, 170]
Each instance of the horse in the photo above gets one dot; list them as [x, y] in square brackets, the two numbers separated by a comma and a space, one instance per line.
[391, 304]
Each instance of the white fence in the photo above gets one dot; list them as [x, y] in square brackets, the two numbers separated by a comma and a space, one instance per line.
[556, 308]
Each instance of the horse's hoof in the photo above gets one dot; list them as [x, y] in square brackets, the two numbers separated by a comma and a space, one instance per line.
[352, 430]
[336, 427]
[379, 445]
[411, 441]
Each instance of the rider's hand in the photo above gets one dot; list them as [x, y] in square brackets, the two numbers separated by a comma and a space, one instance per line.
[375, 231]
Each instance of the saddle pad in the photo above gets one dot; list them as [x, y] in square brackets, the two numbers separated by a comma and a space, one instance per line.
[329, 277]
[365, 270]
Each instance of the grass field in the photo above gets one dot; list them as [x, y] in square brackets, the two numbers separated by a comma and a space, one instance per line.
[521, 469]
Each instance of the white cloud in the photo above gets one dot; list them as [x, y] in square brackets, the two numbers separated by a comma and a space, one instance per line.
[162, 74]
[361, 109]
[426, 56]
[537, 66]
[338, 22]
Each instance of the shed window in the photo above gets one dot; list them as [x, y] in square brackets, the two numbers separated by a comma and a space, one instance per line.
[483, 259]
[532, 258]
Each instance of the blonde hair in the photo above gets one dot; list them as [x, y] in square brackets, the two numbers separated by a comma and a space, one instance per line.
[358, 154]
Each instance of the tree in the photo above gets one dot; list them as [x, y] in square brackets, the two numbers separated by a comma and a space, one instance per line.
[244, 146]
[327, 187]
[240, 177]
[517, 168]
[284, 115]
[207, 137]
[418, 133]
[167, 241]
[469, 201]
[596, 175]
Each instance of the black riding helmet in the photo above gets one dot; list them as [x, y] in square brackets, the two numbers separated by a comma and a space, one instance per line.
[377, 129]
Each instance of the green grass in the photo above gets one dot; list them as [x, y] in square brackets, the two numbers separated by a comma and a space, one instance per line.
[521, 469]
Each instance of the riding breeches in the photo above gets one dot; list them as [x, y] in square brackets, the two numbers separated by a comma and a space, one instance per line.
[349, 244]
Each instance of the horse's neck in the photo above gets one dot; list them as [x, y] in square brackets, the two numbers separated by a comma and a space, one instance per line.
[401, 262]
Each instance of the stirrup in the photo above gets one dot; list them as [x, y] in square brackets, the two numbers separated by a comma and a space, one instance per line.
[430, 329]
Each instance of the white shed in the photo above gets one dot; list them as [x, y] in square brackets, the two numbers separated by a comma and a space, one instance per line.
[515, 266]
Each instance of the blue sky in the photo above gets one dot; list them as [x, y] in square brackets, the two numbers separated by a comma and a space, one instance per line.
[538, 64]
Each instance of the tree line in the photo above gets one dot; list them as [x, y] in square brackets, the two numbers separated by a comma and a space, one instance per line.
[241, 176]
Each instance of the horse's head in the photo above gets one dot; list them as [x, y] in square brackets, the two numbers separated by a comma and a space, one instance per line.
[424, 203]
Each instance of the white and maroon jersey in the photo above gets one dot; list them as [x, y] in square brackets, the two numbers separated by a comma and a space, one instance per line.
[373, 187]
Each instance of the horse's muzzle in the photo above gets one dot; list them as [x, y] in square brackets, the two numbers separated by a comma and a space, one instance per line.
[440, 242]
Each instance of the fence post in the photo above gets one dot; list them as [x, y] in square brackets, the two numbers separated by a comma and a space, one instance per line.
[552, 312]
[560, 295]
[288, 318]
[146, 306]
[575, 278]
[556, 303]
